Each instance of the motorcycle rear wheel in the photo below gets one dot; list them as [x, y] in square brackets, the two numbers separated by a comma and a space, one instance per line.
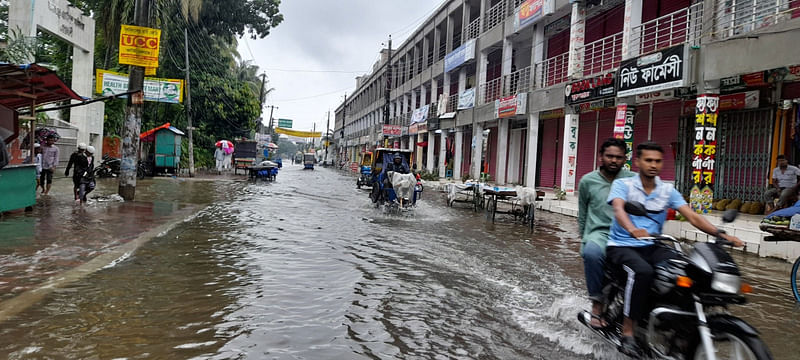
[734, 344]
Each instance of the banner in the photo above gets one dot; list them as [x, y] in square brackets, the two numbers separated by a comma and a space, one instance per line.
[392, 130]
[662, 70]
[138, 46]
[420, 115]
[466, 99]
[155, 89]
[441, 105]
[298, 133]
[623, 129]
[528, 12]
[590, 89]
[460, 55]
[705, 150]
[510, 105]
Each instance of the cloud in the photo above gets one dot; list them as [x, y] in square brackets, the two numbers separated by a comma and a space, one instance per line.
[327, 35]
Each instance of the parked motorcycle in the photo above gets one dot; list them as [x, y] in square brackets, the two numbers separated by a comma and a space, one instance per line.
[109, 167]
[689, 297]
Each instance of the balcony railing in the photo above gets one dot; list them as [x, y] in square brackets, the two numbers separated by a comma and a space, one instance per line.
[495, 15]
[602, 55]
[489, 91]
[552, 71]
[738, 17]
[452, 103]
[513, 5]
[517, 82]
[442, 51]
[456, 40]
[473, 29]
[682, 26]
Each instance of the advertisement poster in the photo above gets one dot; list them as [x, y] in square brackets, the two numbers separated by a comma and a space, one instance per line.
[704, 153]
[155, 89]
[623, 129]
[138, 46]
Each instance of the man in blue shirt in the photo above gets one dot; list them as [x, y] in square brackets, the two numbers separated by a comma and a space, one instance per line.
[628, 246]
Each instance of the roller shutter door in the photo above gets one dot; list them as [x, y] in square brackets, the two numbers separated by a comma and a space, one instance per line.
[586, 145]
[666, 116]
[550, 168]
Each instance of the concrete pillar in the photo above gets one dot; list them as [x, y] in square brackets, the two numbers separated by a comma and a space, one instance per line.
[437, 39]
[459, 144]
[446, 85]
[462, 79]
[577, 36]
[515, 139]
[631, 36]
[502, 151]
[477, 150]
[423, 93]
[450, 25]
[414, 105]
[484, 8]
[426, 45]
[537, 51]
[569, 153]
[508, 56]
[434, 90]
[532, 149]
[483, 63]
[466, 9]
[431, 148]
[418, 151]
[442, 152]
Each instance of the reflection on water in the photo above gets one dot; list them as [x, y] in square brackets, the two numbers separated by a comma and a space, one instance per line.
[305, 268]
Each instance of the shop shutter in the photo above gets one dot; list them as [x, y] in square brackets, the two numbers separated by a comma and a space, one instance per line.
[652, 9]
[558, 44]
[586, 145]
[550, 164]
[640, 129]
[491, 152]
[791, 90]
[666, 116]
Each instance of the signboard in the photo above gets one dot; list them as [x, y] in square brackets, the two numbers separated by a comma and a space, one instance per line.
[441, 105]
[529, 11]
[466, 99]
[655, 96]
[590, 89]
[460, 55]
[594, 105]
[285, 123]
[138, 46]
[420, 115]
[623, 129]
[551, 114]
[413, 129]
[570, 150]
[510, 105]
[737, 101]
[662, 70]
[705, 150]
[155, 89]
[298, 133]
[392, 130]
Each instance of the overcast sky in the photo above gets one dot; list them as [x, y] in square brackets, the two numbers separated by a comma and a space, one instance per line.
[316, 35]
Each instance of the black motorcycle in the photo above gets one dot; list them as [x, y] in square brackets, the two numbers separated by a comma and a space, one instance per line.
[109, 167]
[689, 297]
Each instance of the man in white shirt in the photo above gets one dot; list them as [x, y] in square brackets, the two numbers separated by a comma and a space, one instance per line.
[784, 178]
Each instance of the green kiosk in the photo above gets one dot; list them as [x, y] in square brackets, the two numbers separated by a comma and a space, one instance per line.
[161, 147]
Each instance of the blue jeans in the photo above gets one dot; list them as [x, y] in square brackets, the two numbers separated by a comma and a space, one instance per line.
[594, 260]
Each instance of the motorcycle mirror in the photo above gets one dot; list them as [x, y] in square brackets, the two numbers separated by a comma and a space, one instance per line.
[730, 215]
[635, 208]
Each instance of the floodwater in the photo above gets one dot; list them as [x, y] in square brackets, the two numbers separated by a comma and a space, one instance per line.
[304, 268]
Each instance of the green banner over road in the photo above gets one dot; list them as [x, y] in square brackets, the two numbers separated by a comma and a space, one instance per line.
[285, 123]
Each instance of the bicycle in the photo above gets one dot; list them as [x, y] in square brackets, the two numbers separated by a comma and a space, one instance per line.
[783, 233]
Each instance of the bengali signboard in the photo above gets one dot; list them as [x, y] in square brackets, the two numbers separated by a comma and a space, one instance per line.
[420, 115]
[531, 10]
[466, 99]
[392, 130]
[591, 89]
[155, 89]
[570, 152]
[138, 46]
[704, 153]
[738, 101]
[460, 55]
[623, 129]
[665, 69]
[510, 105]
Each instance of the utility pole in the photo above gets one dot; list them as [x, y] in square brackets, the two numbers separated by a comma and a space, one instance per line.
[388, 91]
[327, 137]
[271, 128]
[190, 128]
[133, 116]
[261, 100]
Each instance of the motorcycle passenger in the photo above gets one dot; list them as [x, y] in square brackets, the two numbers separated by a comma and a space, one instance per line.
[628, 247]
[79, 160]
[594, 219]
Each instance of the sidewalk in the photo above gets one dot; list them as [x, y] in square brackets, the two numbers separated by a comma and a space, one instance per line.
[745, 227]
[60, 241]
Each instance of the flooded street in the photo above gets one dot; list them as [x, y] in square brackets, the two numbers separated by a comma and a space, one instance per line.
[304, 268]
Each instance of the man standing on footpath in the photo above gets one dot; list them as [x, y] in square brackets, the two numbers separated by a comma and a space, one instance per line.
[594, 219]
[784, 178]
[49, 162]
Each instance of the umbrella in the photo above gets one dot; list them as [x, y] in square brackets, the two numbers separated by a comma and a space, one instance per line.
[272, 146]
[226, 146]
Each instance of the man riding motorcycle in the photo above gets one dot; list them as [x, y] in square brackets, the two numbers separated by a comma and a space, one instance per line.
[628, 245]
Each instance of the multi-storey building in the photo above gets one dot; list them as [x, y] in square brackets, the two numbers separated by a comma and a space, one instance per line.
[527, 90]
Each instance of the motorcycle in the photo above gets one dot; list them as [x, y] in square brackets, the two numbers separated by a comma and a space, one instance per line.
[688, 302]
[109, 167]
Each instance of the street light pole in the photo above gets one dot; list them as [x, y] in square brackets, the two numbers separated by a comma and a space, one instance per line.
[189, 104]
[133, 116]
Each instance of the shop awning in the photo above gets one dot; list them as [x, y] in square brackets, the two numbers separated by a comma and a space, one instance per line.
[23, 85]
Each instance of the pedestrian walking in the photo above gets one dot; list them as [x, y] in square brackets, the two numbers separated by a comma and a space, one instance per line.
[86, 181]
[219, 156]
[37, 159]
[226, 162]
[78, 160]
[49, 163]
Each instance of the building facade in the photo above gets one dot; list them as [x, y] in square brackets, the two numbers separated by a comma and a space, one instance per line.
[525, 91]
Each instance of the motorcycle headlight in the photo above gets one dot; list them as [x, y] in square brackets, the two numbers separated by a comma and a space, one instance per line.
[726, 283]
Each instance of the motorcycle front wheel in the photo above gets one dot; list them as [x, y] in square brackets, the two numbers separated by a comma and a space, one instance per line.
[733, 343]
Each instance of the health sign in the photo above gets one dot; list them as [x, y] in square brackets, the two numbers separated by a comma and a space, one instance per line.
[138, 46]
